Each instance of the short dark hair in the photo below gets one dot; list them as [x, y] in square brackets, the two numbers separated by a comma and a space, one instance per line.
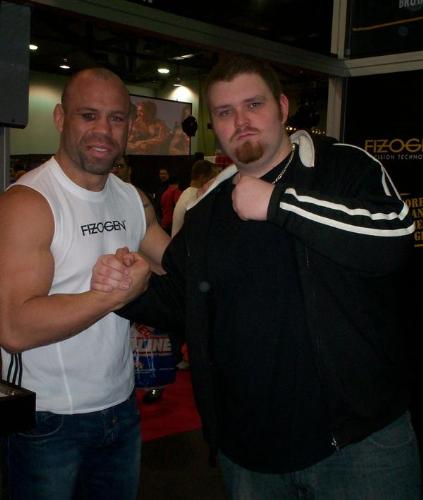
[230, 66]
[203, 168]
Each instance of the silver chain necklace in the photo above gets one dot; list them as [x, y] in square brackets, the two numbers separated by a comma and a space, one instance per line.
[285, 168]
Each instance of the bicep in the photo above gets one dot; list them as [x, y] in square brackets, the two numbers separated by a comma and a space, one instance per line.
[25, 258]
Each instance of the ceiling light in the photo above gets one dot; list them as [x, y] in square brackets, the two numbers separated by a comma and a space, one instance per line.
[65, 64]
[32, 46]
[163, 71]
[184, 56]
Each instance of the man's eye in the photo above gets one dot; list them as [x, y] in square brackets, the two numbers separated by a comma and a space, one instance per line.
[254, 105]
[88, 116]
[117, 118]
[224, 113]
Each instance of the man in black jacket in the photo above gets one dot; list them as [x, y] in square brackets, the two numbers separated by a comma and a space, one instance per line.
[283, 274]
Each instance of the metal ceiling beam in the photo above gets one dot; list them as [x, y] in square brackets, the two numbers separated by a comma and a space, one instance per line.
[199, 33]
[393, 63]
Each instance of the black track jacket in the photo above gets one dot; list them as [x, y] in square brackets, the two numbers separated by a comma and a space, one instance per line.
[353, 233]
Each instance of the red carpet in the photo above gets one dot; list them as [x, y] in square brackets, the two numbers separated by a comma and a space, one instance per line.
[175, 412]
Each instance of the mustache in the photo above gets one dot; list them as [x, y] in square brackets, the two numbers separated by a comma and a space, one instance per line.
[242, 130]
[101, 139]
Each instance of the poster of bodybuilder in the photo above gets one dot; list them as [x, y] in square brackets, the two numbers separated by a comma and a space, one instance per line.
[157, 127]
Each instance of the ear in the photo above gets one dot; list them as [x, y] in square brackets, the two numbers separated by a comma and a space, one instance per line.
[59, 117]
[284, 107]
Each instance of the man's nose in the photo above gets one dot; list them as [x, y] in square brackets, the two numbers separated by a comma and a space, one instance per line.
[241, 119]
[102, 124]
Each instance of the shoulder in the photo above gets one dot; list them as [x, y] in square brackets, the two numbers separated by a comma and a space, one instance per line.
[25, 210]
[325, 152]
[23, 199]
[351, 156]
[187, 197]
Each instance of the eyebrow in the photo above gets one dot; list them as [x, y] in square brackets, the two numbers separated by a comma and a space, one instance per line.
[86, 109]
[245, 101]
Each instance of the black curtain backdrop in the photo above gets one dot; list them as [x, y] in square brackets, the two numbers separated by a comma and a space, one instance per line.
[383, 115]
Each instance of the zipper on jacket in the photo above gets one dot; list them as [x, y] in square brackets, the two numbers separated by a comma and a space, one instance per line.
[316, 348]
[306, 258]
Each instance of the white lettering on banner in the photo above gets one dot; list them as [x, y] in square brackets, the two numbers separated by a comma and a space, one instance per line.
[156, 345]
[404, 4]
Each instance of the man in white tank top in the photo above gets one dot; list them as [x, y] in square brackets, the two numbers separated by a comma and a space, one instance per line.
[76, 356]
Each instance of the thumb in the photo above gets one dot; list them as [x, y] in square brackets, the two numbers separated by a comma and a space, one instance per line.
[121, 253]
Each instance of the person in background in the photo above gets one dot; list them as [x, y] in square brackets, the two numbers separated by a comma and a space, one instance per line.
[202, 171]
[60, 337]
[164, 182]
[122, 169]
[168, 201]
[284, 273]
[163, 178]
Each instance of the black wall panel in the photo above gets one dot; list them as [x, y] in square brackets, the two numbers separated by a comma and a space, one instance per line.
[14, 64]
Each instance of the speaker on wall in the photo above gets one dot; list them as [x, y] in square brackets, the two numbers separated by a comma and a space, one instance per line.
[14, 64]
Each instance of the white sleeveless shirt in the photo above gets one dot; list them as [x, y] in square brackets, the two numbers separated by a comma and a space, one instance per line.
[92, 370]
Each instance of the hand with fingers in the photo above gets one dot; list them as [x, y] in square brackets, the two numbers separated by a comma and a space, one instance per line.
[251, 197]
[124, 271]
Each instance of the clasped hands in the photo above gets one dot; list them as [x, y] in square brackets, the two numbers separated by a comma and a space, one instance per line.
[123, 271]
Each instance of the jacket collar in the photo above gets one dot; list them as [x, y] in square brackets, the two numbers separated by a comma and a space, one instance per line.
[306, 147]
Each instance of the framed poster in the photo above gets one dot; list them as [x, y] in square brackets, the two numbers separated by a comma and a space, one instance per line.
[157, 127]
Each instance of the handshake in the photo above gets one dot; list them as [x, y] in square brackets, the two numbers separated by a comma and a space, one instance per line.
[125, 274]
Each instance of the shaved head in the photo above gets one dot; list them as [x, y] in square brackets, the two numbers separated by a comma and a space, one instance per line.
[93, 119]
[95, 73]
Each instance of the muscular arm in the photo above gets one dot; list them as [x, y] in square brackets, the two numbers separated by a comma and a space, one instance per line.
[29, 316]
[156, 138]
[155, 240]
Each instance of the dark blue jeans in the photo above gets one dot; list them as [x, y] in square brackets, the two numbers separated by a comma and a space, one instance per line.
[82, 456]
[384, 466]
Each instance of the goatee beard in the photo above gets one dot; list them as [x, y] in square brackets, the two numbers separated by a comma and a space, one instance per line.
[96, 168]
[249, 152]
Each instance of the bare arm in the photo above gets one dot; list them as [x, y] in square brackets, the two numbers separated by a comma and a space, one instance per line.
[29, 317]
[155, 240]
